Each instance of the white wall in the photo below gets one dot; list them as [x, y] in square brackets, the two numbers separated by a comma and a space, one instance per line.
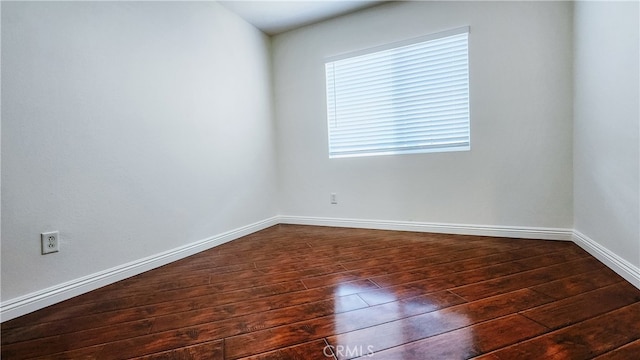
[606, 126]
[519, 171]
[133, 128]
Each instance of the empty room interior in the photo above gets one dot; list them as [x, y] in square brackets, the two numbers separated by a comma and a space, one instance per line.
[320, 180]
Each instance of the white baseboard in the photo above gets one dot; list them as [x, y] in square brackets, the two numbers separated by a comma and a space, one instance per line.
[37, 300]
[622, 267]
[462, 229]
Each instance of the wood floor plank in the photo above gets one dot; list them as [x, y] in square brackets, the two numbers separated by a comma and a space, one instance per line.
[164, 285]
[577, 284]
[77, 340]
[213, 350]
[584, 306]
[404, 291]
[229, 281]
[425, 325]
[425, 258]
[90, 353]
[317, 349]
[465, 342]
[625, 352]
[527, 279]
[264, 319]
[298, 292]
[583, 340]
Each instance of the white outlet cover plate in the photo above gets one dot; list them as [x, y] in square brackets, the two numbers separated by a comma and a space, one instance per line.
[50, 242]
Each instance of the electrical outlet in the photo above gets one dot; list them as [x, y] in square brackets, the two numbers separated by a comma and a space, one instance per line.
[334, 198]
[50, 242]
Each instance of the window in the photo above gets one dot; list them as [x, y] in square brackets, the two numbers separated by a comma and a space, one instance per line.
[402, 98]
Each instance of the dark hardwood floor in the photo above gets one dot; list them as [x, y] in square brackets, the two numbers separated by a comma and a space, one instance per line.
[303, 292]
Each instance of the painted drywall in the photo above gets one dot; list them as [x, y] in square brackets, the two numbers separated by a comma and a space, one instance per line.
[606, 126]
[519, 169]
[133, 128]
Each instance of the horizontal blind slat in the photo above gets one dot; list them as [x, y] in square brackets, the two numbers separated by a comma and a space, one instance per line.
[440, 112]
[382, 66]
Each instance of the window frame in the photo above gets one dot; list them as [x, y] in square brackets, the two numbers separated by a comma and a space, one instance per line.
[464, 145]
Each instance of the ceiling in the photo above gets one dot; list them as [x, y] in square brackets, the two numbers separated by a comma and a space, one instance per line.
[274, 17]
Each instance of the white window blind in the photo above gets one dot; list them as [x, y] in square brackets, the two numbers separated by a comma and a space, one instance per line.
[408, 97]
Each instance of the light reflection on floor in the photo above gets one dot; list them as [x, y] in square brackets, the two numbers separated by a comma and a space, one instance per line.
[399, 322]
